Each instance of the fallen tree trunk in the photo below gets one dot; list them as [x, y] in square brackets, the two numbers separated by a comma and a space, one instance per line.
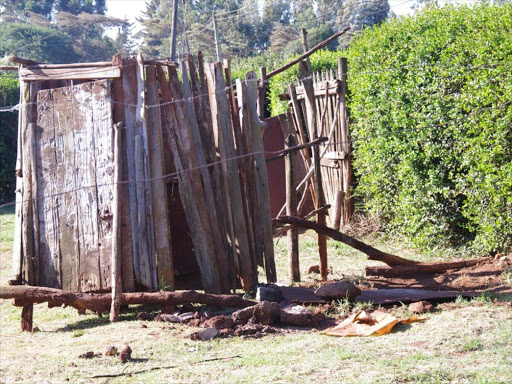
[407, 270]
[101, 302]
[372, 253]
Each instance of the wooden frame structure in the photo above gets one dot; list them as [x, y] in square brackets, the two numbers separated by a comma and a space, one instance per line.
[103, 149]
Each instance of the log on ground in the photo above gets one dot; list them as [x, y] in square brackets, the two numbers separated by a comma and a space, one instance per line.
[418, 268]
[101, 302]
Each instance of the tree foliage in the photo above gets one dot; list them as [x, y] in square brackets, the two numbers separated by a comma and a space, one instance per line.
[431, 108]
[9, 95]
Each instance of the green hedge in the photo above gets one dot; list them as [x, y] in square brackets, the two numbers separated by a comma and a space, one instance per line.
[431, 107]
[9, 95]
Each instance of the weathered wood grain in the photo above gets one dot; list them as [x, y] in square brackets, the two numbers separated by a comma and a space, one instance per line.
[264, 223]
[116, 279]
[37, 74]
[158, 184]
[49, 248]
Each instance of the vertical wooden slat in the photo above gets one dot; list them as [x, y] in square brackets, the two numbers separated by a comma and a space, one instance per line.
[116, 279]
[158, 185]
[262, 93]
[119, 116]
[129, 79]
[291, 210]
[223, 131]
[49, 248]
[183, 160]
[27, 213]
[66, 179]
[146, 217]
[264, 223]
[225, 267]
[145, 279]
[311, 113]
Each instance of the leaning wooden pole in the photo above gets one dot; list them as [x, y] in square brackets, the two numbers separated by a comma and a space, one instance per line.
[117, 285]
[291, 210]
[372, 253]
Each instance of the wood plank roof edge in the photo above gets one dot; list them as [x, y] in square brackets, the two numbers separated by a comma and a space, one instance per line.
[31, 64]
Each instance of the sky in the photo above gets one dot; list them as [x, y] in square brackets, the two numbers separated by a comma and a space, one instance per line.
[130, 9]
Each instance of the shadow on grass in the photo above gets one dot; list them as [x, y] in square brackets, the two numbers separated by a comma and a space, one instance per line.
[9, 210]
[129, 314]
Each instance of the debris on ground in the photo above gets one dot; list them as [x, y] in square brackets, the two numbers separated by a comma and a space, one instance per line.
[364, 323]
[144, 316]
[269, 292]
[421, 307]
[265, 313]
[219, 322]
[111, 351]
[126, 354]
[339, 290]
[87, 355]
[313, 269]
[168, 318]
[205, 334]
[297, 315]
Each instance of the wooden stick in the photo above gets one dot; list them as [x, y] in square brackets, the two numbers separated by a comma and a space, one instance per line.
[372, 253]
[307, 54]
[101, 302]
[286, 151]
[19, 60]
[291, 210]
[116, 279]
[8, 67]
[407, 270]
[262, 90]
[27, 314]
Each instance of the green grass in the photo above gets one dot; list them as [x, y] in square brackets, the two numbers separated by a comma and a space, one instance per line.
[469, 344]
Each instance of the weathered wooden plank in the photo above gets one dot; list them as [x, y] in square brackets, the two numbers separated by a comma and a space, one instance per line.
[49, 250]
[129, 79]
[141, 112]
[158, 185]
[222, 122]
[145, 278]
[182, 162]
[126, 228]
[36, 74]
[263, 219]
[65, 182]
[116, 279]
[84, 174]
[224, 266]
[27, 213]
[104, 157]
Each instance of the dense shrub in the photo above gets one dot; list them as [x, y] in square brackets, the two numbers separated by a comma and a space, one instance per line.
[9, 95]
[431, 105]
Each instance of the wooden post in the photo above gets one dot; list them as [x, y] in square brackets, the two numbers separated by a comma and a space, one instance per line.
[174, 29]
[263, 220]
[305, 46]
[27, 317]
[338, 210]
[309, 98]
[347, 167]
[262, 90]
[291, 210]
[117, 285]
[217, 39]
[158, 185]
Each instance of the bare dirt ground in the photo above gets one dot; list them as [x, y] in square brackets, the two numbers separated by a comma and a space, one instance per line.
[465, 341]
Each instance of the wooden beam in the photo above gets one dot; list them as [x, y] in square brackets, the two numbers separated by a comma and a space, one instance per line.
[19, 60]
[437, 267]
[90, 73]
[372, 253]
[307, 54]
[101, 302]
[8, 68]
